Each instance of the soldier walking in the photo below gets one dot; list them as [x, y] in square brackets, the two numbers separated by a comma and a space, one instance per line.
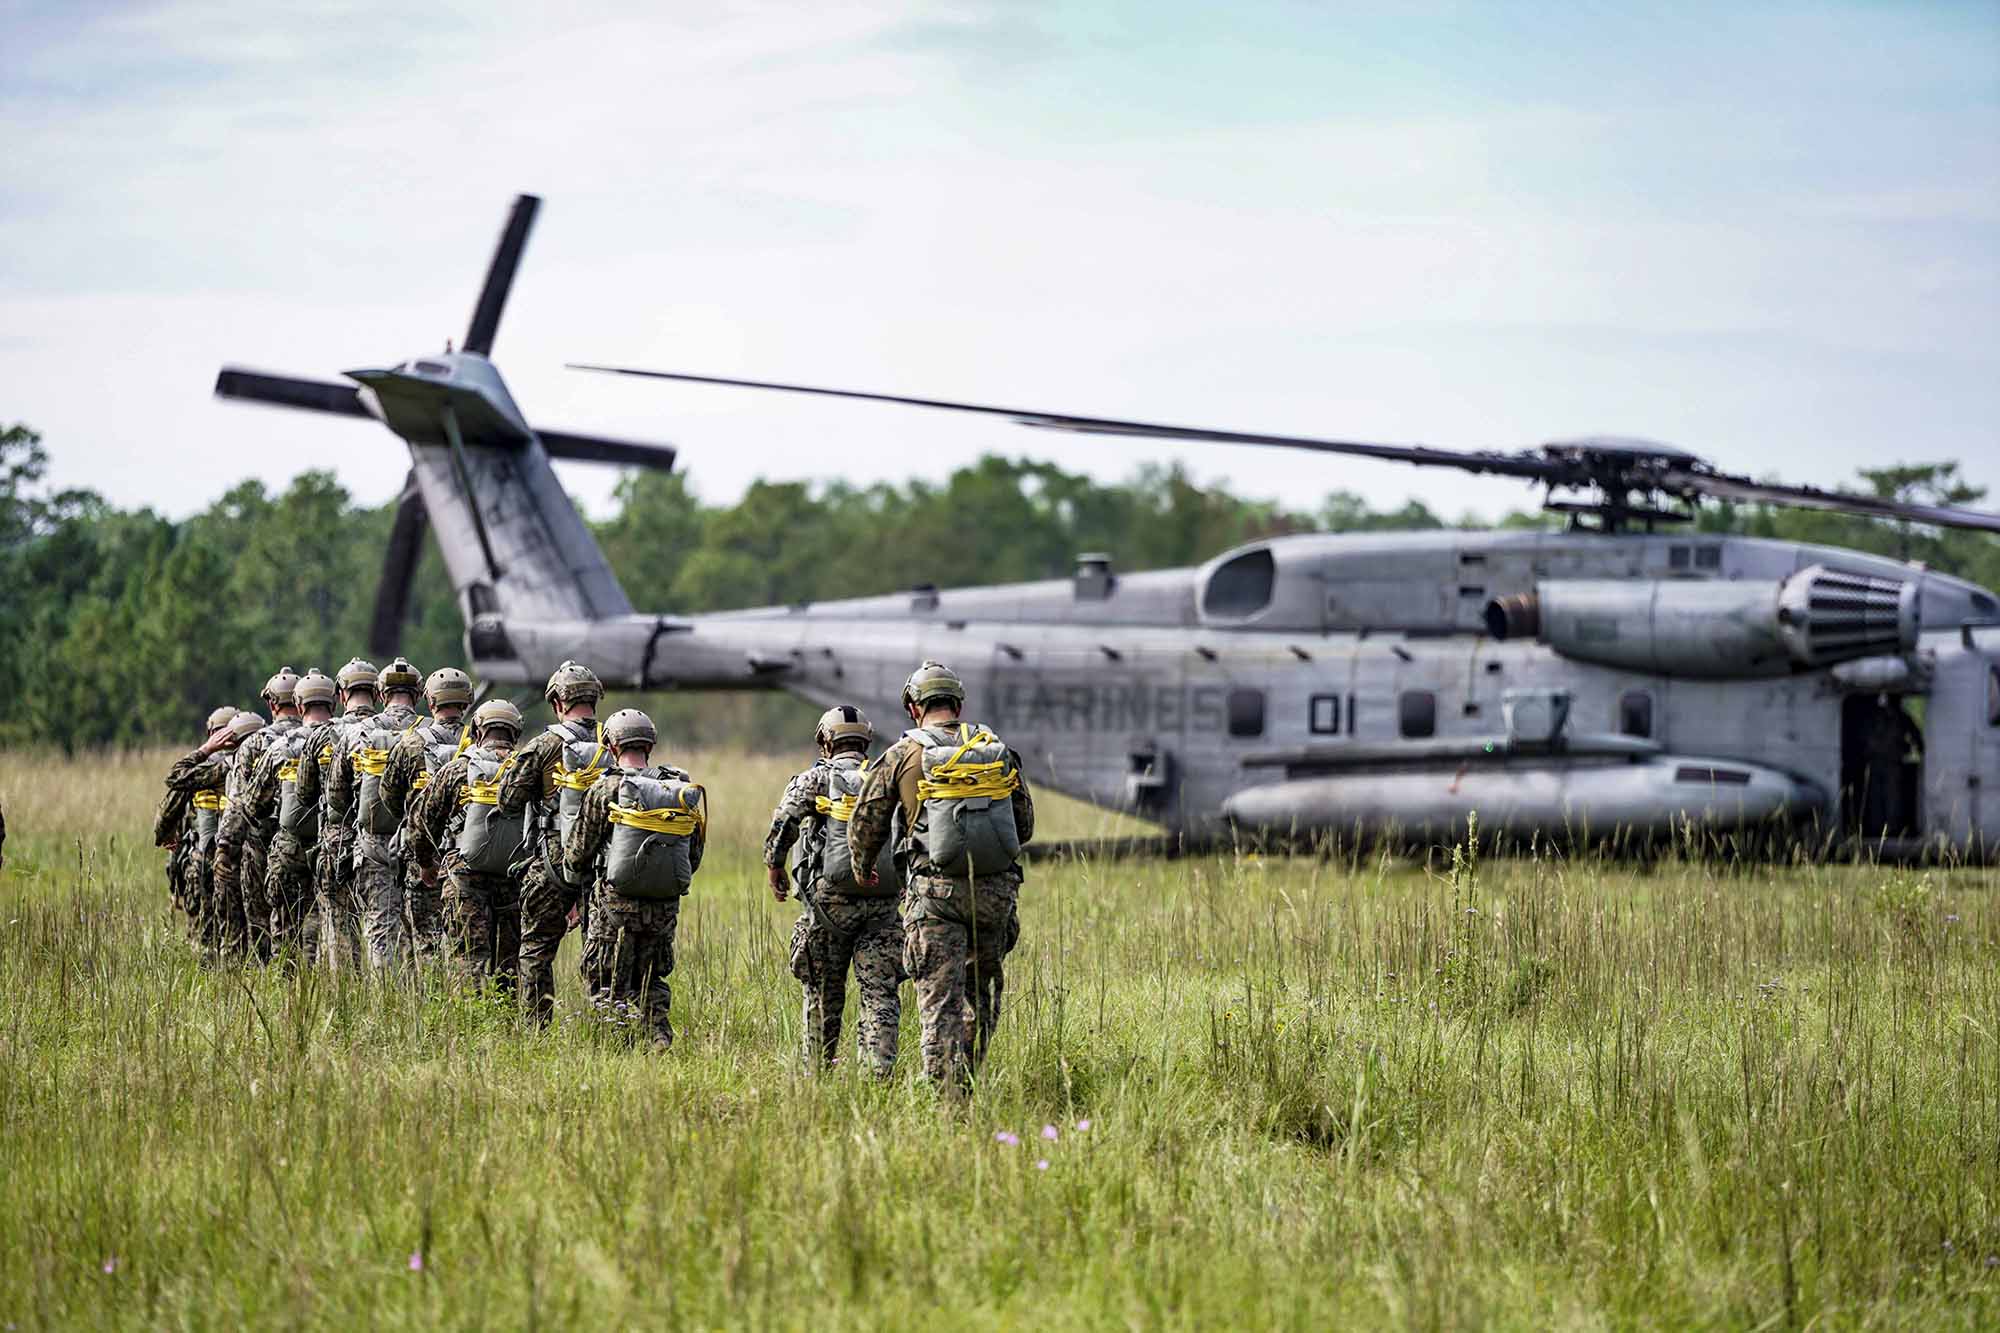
[845, 923]
[354, 789]
[548, 781]
[241, 840]
[279, 796]
[458, 820]
[329, 783]
[639, 833]
[968, 811]
[186, 821]
[417, 757]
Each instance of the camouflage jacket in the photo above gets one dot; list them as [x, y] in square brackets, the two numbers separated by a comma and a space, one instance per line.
[250, 779]
[892, 783]
[797, 813]
[191, 773]
[592, 830]
[428, 827]
[407, 773]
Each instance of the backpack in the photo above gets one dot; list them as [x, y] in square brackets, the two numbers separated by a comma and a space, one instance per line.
[965, 823]
[443, 742]
[581, 762]
[653, 823]
[846, 774]
[488, 837]
[371, 761]
[209, 804]
[295, 816]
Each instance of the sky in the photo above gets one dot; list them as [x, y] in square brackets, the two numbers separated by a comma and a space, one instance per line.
[1767, 233]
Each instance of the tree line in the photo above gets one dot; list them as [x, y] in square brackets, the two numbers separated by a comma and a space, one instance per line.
[123, 627]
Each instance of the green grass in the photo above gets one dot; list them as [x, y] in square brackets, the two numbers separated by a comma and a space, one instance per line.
[1525, 1093]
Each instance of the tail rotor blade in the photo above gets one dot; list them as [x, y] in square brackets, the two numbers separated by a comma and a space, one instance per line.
[500, 276]
[596, 449]
[284, 391]
[399, 570]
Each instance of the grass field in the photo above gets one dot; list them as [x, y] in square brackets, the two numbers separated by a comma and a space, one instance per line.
[1525, 1093]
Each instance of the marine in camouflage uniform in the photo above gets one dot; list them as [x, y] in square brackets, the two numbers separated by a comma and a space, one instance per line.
[186, 821]
[354, 790]
[296, 761]
[414, 760]
[956, 932]
[842, 927]
[628, 947]
[337, 908]
[483, 908]
[237, 866]
[561, 763]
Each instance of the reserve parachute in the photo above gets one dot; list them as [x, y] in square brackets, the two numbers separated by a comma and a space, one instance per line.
[488, 837]
[653, 823]
[965, 823]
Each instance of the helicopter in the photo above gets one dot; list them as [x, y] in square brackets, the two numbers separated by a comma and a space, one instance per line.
[1626, 676]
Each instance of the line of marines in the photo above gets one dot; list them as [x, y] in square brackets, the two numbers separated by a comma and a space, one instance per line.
[351, 830]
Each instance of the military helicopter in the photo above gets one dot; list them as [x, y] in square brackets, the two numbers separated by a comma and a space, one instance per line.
[1626, 677]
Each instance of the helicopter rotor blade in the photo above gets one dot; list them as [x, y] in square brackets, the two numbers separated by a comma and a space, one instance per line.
[500, 275]
[1692, 482]
[1534, 467]
[399, 569]
[288, 391]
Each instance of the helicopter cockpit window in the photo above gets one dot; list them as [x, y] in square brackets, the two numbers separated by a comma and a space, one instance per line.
[1242, 586]
[1635, 714]
[1246, 712]
[1417, 714]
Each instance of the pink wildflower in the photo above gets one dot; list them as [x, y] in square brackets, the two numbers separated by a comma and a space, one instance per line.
[1008, 1137]
[1049, 1133]
[111, 1264]
[1042, 1164]
[416, 1261]
[1083, 1126]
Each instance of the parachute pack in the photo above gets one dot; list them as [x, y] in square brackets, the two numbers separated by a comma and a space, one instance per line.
[846, 773]
[371, 761]
[488, 837]
[653, 823]
[965, 823]
[294, 816]
[581, 763]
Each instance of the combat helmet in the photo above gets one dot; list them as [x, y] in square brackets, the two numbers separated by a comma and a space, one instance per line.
[933, 680]
[221, 717]
[244, 725]
[399, 675]
[358, 673]
[843, 723]
[280, 688]
[628, 727]
[497, 713]
[315, 687]
[447, 685]
[571, 683]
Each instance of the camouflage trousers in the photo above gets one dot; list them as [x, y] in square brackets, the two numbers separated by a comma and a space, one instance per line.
[288, 890]
[546, 901]
[866, 934]
[628, 954]
[378, 891]
[484, 915]
[339, 904]
[186, 883]
[424, 917]
[956, 935]
[242, 912]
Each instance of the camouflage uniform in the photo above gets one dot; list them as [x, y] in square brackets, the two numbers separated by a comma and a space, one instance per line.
[836, 931]
[290, 858]
[955, 932]
[185, 822]
[548, 892]
[483, 911]
[337, 908]
[374, 866]
[628, 946]
[406, 776]
[242, 846]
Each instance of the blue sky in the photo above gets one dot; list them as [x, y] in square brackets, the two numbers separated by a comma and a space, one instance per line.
[1770, 234]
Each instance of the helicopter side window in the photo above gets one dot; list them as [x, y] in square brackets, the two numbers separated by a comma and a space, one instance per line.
[1635, 714]
[1993, 696]
[1417, 714]
[1325, 714]
[1242, 586]
[1246, 712]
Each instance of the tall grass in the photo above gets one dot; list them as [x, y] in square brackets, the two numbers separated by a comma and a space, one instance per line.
[1354, 1089]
